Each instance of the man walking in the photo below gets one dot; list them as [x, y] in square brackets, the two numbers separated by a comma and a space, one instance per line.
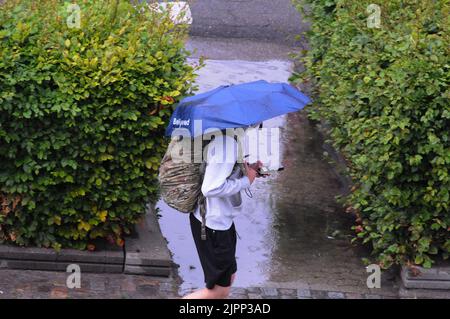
[222, 186]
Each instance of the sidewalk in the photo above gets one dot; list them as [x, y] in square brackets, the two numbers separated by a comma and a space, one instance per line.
[17, 284]
[43, 285]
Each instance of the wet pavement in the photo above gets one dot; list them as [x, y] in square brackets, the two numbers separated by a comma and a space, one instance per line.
[292, 233]
[26, 284]
[278, 20]
[240, 49]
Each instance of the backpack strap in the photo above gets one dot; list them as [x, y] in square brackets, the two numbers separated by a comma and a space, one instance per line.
[240, 158]
[201, 197]
[202, 205]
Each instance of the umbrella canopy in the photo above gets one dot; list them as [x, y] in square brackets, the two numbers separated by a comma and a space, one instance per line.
[235, 106]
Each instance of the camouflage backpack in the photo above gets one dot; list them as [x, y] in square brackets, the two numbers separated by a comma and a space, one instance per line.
[180, 182]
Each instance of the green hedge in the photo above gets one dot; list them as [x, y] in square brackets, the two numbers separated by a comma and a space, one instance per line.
[82, 117]
[384, 93]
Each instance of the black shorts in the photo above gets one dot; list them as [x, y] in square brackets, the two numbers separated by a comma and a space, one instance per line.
[217, 253]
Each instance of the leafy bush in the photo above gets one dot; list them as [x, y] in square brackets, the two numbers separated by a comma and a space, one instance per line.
[384, 92]
[82, 116]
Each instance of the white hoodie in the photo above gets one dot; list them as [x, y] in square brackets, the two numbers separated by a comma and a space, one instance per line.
[221, 188]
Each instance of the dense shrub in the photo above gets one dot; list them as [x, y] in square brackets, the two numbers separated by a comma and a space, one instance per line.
[385, 94]
[82, 116]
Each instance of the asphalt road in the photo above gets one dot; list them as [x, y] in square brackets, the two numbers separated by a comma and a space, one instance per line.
[275, 20]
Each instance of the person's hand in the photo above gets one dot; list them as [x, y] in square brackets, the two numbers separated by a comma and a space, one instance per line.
[256, 166]
[251, 172]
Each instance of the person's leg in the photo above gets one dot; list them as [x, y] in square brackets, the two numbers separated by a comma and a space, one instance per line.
[218, 276]
[218, 292]
[233, 277]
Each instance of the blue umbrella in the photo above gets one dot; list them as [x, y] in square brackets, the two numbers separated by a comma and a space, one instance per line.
[235, 106]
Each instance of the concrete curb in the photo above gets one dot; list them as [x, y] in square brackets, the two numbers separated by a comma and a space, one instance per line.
[412, 293]
[106, 259]
[437, 277]
[144, 253]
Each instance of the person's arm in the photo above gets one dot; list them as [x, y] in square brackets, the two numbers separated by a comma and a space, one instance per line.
[215, 181]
